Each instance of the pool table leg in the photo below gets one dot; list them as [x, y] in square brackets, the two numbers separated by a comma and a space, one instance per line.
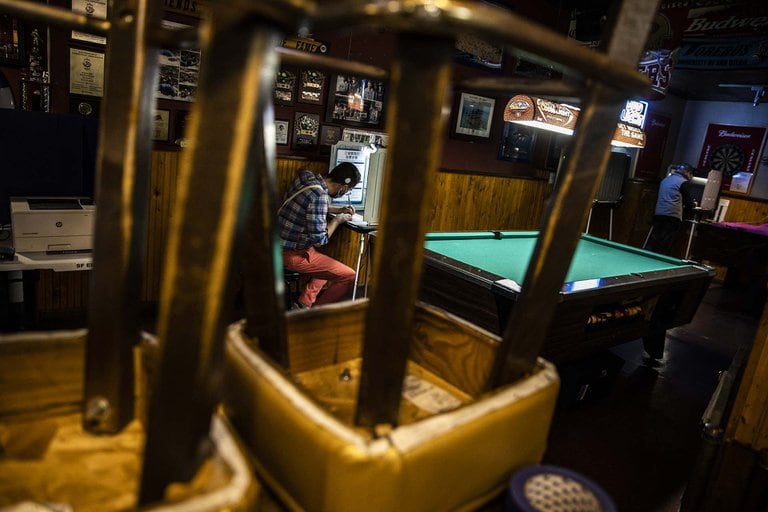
[653, 344]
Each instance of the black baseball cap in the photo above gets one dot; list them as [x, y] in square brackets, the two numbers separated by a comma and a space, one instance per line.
[345, 173]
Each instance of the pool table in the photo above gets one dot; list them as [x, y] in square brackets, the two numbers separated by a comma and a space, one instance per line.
[743, 249]
[613, 292]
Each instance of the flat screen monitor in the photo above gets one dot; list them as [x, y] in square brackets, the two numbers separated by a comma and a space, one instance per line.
[45, 154]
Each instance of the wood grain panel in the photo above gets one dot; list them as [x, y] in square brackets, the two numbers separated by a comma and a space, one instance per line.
[462, 202]
[41, 374]
[748, 422]
[328, 338]
[744, 209]
[162, 192]
[474, 202]
[288, 168]
[59, 293]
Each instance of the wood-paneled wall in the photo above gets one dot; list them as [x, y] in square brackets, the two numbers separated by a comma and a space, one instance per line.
[634, 214]
[474, 202]
[162, 197]
[461, 202]
[742, 209]
[61, 293]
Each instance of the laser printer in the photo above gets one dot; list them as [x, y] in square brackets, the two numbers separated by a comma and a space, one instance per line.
[52, 224]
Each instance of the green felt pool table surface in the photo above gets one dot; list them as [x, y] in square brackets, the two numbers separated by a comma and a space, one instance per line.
[508, 253]
[612, 292]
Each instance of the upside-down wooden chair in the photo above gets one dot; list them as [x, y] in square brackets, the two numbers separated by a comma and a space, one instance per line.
[380, 404]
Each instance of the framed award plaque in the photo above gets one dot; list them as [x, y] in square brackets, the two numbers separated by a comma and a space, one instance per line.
[306, 130]
[312, 86]
[285, 87]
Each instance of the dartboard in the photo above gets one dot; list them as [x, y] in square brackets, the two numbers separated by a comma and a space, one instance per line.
[728, 158]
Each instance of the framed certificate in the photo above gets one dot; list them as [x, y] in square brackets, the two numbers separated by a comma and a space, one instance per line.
[161, 123]
[282, 127]
[93, 9]
[86, 72]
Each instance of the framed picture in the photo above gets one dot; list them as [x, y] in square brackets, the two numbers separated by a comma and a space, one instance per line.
[474, 115]
[365, 137]
[285, 87]
[179, 69]
[281, 131]
[11, 41]
[306, 130]
[86, 72]
[517, 143]
[93, 9]
[312, 87]
[329, 135]
[356, 101]
[476, 52]
[161, 124]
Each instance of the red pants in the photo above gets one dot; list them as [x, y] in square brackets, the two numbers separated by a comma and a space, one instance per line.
[322, 269]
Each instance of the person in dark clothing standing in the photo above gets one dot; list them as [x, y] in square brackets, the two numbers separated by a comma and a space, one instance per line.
[668, 215]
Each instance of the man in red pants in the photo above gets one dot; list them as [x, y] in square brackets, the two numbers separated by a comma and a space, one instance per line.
[304, 225]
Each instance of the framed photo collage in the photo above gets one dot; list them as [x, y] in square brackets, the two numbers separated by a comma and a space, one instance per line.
[314, 109]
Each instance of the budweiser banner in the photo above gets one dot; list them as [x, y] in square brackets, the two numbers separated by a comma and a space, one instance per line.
[727, 21]
[731, 149]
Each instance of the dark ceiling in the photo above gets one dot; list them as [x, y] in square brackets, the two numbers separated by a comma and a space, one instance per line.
[741, 85]
[731, 85]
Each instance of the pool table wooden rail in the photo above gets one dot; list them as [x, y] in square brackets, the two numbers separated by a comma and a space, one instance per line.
[666, 299]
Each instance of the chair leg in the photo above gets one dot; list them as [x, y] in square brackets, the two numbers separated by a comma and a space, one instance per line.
[292, 288]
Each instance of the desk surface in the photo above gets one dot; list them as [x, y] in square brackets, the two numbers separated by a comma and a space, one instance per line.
[361, 226]
[44, 261]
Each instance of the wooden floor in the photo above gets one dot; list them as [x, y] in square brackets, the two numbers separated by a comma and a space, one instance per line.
[640, 441]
